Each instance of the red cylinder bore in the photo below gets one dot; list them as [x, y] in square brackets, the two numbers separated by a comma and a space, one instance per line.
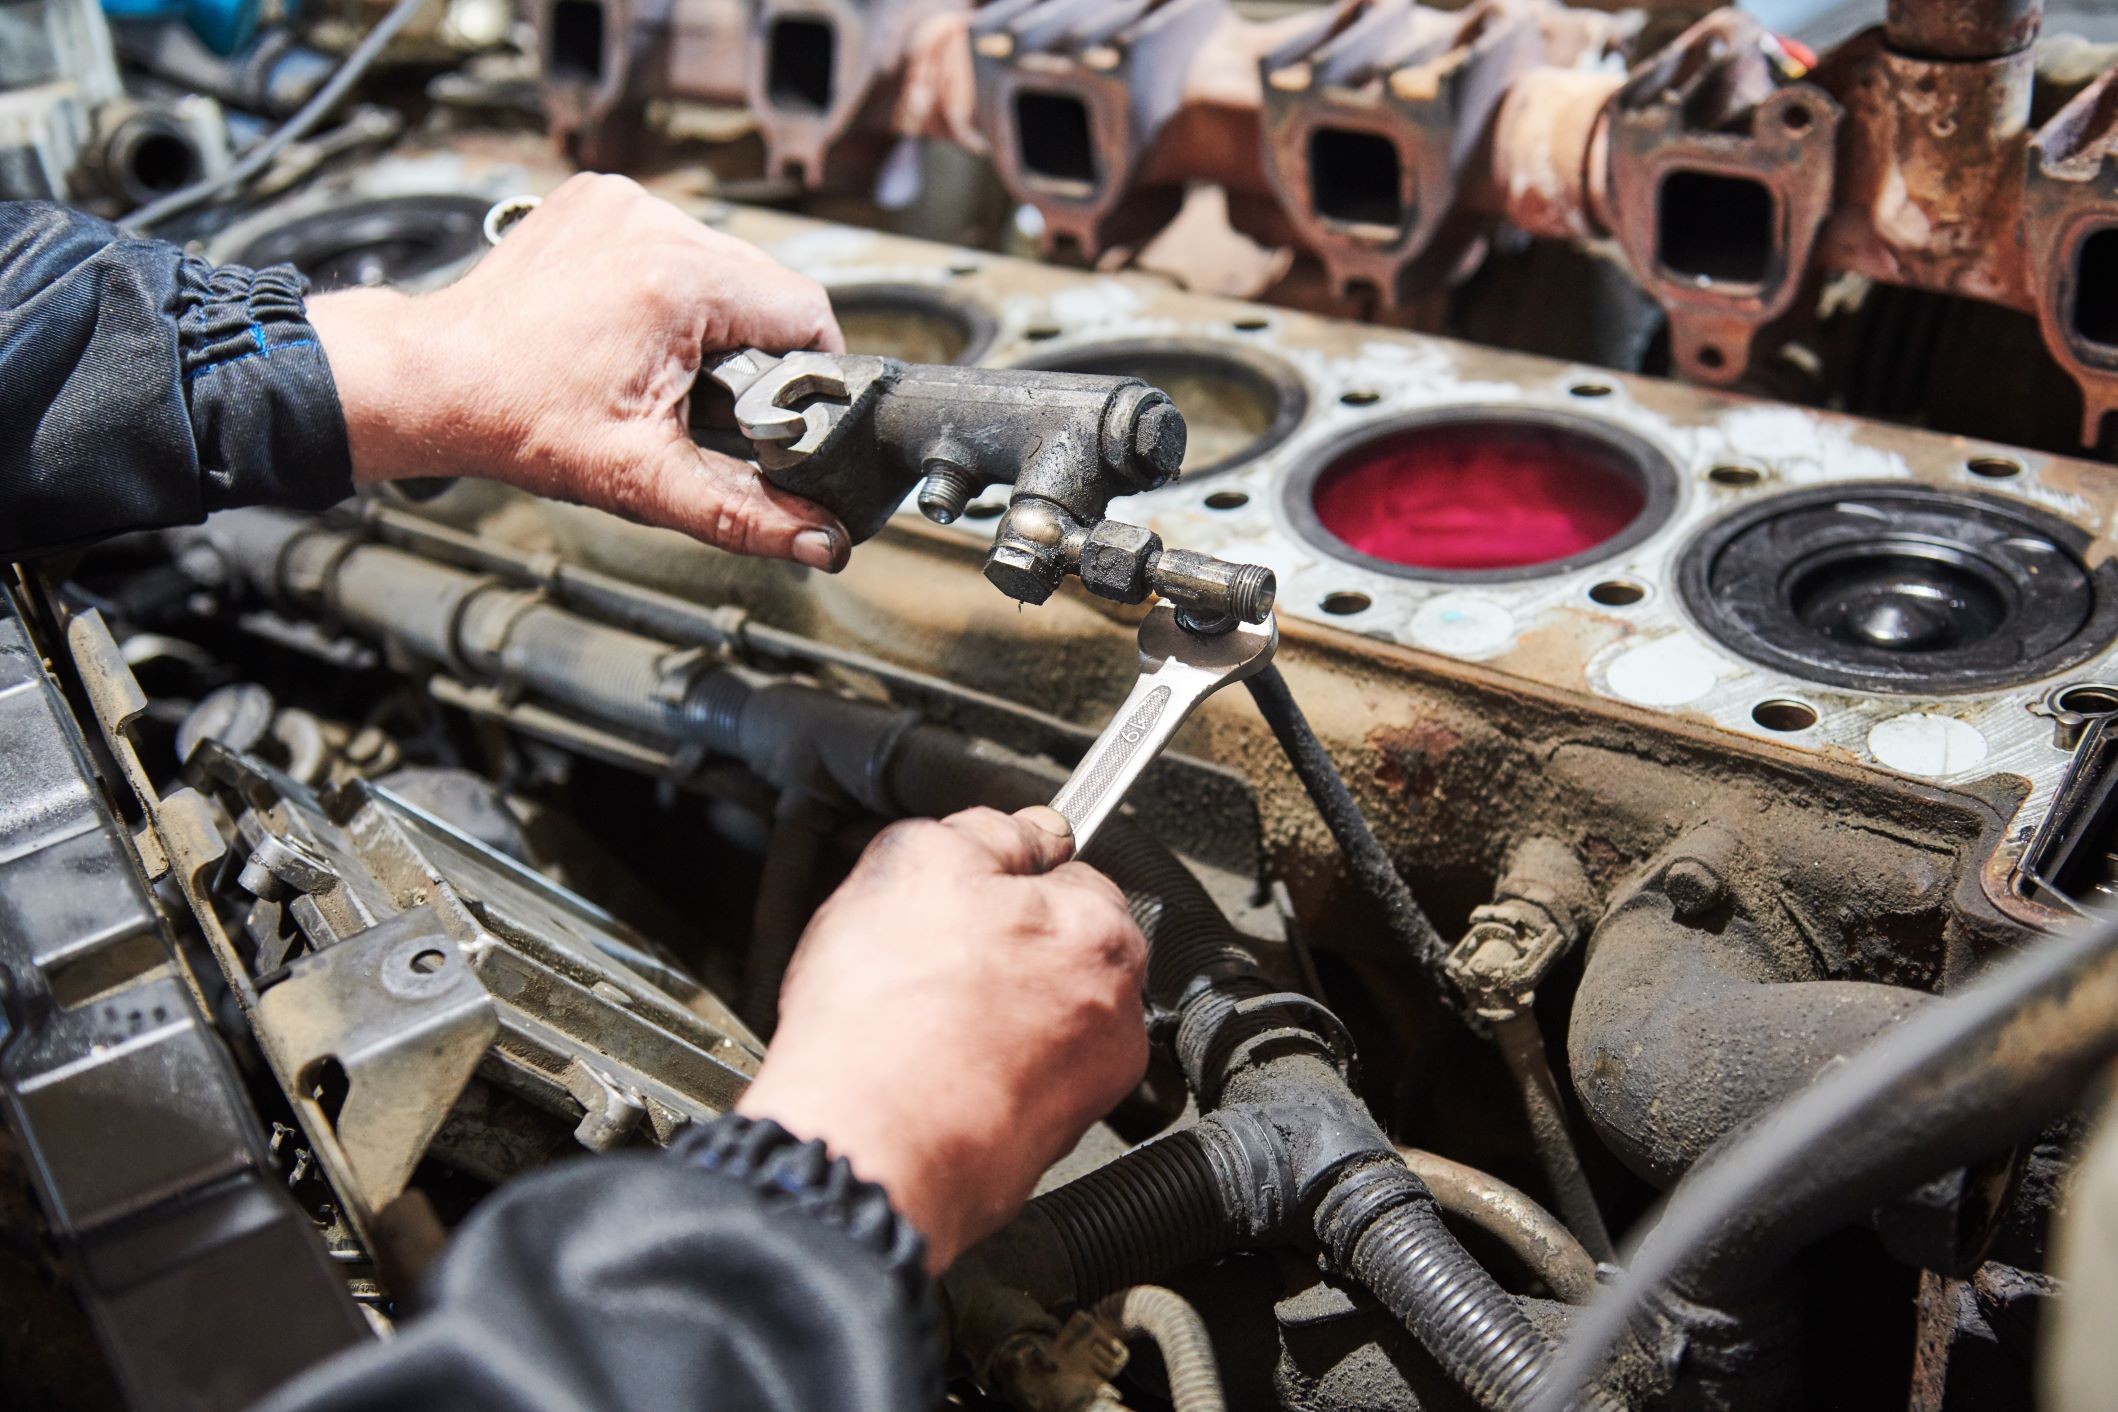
[1485, 494]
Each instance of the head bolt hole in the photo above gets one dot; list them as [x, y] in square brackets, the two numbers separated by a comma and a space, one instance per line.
[1784, 715]
[1735, 476]
[1616, 593]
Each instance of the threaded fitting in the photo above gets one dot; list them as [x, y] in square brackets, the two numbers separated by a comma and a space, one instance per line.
[945, 492]
[1251, 592]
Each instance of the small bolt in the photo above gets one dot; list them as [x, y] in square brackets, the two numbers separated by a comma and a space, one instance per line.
[1692, 888]
[1158, 439]
[1022, 572]
[946, 490]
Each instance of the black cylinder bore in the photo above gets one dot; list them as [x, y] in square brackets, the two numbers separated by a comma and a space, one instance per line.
[1900, 588]
[389, 240]
[1237, 404]
[915, 322]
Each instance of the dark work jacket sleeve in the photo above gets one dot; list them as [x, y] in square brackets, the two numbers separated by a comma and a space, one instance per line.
[640, 1282]
[142, 387]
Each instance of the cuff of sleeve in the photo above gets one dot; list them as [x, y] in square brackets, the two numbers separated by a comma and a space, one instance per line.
[264, 410]
[803, 1176]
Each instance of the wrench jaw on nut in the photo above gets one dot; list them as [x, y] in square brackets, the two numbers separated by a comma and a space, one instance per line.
[1179, 668]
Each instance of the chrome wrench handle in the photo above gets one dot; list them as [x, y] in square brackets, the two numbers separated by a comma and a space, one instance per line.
[1178, 670]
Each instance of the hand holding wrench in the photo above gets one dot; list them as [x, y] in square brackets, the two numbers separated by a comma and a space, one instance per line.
[1178, 670]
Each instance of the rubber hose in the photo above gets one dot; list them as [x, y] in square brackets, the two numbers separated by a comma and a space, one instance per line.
[1381, 1227]
[1152, 1312]
[1365, 855]
[1155, 1210]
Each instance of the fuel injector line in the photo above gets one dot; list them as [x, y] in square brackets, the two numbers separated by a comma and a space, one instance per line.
[1371, 865]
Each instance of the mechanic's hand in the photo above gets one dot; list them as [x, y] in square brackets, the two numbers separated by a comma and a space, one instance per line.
[957, 1015]
[563, 361]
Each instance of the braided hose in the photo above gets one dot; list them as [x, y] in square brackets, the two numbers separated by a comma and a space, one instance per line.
[1152, 1312]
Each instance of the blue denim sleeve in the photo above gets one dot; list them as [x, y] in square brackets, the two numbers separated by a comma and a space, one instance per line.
[142, 387]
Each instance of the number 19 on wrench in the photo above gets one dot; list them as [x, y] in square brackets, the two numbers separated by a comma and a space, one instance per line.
[1178, 670]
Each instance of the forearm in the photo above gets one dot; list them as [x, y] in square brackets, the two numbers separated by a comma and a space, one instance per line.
[140, 387]
[400, 388]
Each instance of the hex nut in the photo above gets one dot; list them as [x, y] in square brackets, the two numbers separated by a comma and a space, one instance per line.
[1116, 558]
[1022, 571]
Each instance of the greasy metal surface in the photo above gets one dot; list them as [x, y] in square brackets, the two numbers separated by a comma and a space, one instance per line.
[603, 61]
[1551, 649]
[1963, 29]
[822, 79]
[1930, 169]
[2071, 198]
[430, 957]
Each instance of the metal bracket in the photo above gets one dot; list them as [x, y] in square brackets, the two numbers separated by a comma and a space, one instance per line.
[399, 1011]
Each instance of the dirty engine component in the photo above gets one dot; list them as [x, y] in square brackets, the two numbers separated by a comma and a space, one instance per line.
[1636, 943]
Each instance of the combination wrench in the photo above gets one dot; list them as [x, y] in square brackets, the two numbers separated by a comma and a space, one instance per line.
[1178, 670]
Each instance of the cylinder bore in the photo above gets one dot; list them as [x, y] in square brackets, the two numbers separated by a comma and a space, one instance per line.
[391, 240]
[1484, 494]
[915, 322]
[1237, 404]
[1899, 588]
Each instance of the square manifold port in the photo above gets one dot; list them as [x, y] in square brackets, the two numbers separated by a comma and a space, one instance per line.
[2095, 312]
[1355, 178]
[798, 65]
[1053, 131]
[1714, 227]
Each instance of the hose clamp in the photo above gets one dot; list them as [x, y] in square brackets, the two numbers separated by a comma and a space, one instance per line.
[1356, 1201]
[1228, 1037]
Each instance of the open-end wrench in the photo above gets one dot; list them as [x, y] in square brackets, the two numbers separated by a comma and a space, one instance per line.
[1178, 670]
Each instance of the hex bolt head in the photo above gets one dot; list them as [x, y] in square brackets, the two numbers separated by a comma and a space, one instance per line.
[1693, 888]
[1022, 571]
[1115, 560]
[1142, 437]
[1158, 440]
